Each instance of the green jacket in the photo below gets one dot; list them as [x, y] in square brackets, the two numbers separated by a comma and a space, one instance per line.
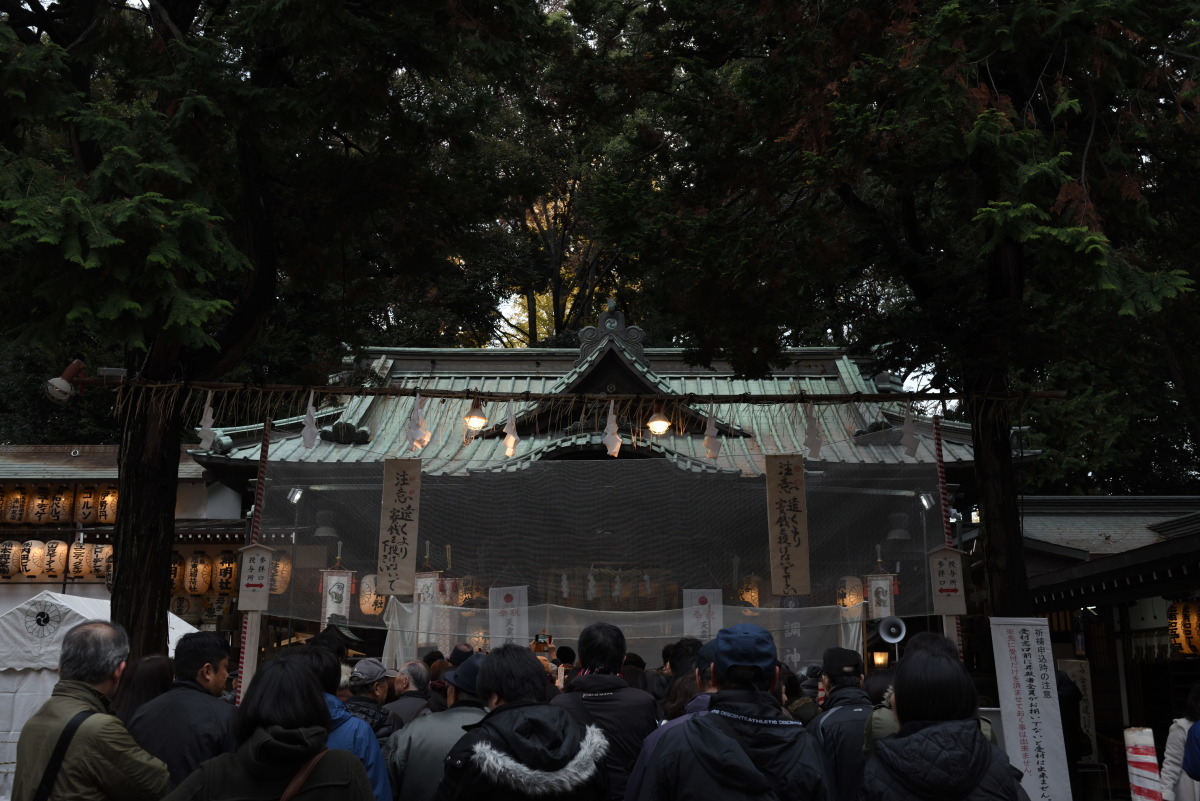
[102, 762]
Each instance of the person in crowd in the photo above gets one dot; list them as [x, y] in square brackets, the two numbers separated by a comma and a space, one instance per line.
[876, 684]
[658, 679]
[840, 728]
[551, 674]
[144, 680]
[281, 731]
[412, 693]
[369, 682]
[437, 686]
[101, 761]
[1191, 753]
[523, 748]
[696, 704]
[679, 696]
[345, 731]
[939, 751]
[190, 723]
[746, 746]
[415, 754]
[1177, 785]
[431, 657]
[564, 655]
[599, 695]
[633, 660]
[460, 653]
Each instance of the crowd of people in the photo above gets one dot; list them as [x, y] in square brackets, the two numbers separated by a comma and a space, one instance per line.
[722, 719]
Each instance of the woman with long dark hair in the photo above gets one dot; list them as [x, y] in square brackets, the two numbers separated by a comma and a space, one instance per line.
[1177, 785]
[280, 728]
[939, 752]
[143, 680]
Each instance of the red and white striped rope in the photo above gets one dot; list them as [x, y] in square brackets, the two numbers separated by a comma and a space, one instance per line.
[944, 502]
[260, 497]
[1142, 759]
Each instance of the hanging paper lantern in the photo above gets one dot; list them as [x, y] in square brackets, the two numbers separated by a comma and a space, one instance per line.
[85, 505]
[177, 571]
[225, 570]
[197, 575]
[79, 559]
[33, 558]
[1183, 627]
[109, 573]
[15, 498]
[101, 560]
[61, 510]
[106, 505]
[281, 572]
[187, 607]
[849, 591]
[214, 606]
[37, 506]
[10, 559]
[56, 558]
[370, 602]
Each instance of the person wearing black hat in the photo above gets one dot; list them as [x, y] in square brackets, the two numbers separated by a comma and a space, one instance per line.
[369, 682]
[746, 747]
[415, 754]
[840, 728]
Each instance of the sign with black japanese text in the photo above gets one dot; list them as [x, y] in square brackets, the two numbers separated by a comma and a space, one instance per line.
[508, 615]
[787, 524]
[947, 582]
[398, 524]
[703, 614]
[254, 585]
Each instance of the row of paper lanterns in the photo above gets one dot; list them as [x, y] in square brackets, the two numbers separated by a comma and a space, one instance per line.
[54, 559]
[199, 573]
[65, 504]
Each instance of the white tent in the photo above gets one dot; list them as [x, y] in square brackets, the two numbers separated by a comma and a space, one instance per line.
[31, 636]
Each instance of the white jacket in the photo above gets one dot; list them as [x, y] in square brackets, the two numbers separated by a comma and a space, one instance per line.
[1176, 785]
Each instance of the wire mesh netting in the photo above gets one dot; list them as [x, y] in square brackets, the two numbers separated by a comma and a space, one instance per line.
[621, 540]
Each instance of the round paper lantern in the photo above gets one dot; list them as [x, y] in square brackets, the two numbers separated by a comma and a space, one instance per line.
[61, 510]
[56, 558]
[187, 607]
[33, 558]
[1183, 627]
[225, 573]
[106, 505]
[10, 558]
[281, 572]
[101, 560]
[14, 504]
[85, 505]
[37, 506]
[79, 559]
[177, 571]
[198, 573]
[370, 602]
[849, 591]
[108, 570]
[214, 606]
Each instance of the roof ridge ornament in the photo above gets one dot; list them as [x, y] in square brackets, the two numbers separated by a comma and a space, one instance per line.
[611, 325]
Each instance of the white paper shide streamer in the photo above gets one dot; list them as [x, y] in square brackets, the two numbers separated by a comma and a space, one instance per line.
[712, 443]
[909, 429]
[418, 434]
[207, 434]
[612, 440]
[510, 433]
[310, 432]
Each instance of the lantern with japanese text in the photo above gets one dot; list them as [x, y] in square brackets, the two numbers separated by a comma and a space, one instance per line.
[214, 606]
[178, 568]
[61, 510]
[187, 608]
[197, 573]
[85, 505]
[56, 558]
[106, 505]
[281, 572]
[79, 559]
[33, 558]
[10, 559]
[225, 573]
[15, 498]
[37, 506]
[101, 560]
[849, 591]
[370, 602]
[1183, 627]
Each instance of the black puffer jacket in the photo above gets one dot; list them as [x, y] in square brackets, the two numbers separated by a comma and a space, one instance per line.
[840, 730]
[943, 761]
[381, 721]
[745, 748]
[526, 750]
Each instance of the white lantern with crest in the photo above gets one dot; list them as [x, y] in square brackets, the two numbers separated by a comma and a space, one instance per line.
[33, 558]
[370, 602]
[197, 575]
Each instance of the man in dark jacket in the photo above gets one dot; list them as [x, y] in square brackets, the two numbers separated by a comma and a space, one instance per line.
[190, 723]
[369, 682]
[840, 728]
[598, 695]
[524, 748]
[746, 747]
[412, 688]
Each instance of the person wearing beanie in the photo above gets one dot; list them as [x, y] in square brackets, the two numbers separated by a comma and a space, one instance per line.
[841, 726]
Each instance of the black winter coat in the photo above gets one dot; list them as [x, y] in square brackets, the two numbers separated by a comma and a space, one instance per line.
[381, 721]
[745, 748]
[526, 751]
[840, 730]
[183, 727]
[943, 761]
[624, 714]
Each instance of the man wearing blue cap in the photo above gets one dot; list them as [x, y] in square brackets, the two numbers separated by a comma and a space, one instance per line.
[746, 747]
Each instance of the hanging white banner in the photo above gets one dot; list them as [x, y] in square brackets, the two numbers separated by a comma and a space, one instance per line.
[787, 524]
[1033, 735]
[508, 615]
[399, 520]
[335, 594]
[703, 614]
[879, 595]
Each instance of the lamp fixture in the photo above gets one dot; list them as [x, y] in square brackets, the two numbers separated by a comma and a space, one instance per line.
[658, 423]
[927, 501]
[879, 659]
[295, 494]
[476, 419]
[62, 387]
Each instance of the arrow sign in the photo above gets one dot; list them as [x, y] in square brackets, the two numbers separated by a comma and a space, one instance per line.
[257, 586]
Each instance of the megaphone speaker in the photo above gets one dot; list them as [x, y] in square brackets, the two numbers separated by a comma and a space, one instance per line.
[892, 629]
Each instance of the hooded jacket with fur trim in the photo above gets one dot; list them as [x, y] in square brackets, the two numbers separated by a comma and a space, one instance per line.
[529, 751]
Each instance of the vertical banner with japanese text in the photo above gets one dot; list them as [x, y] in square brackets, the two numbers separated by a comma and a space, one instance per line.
[787, 524]
[703, 614]
[508, 615]
[398, 524]
[1033, 735]
[1080, 672]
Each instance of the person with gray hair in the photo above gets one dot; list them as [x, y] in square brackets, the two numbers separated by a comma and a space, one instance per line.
[412, 688]
[103, 761]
